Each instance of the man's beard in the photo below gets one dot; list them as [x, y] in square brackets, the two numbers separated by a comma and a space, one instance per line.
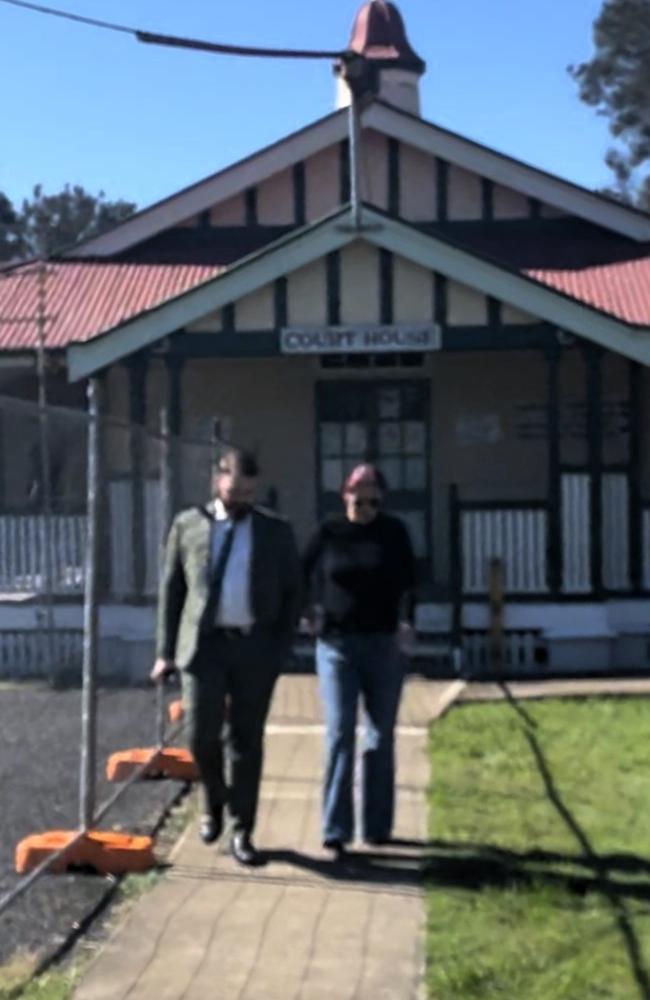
[237, 510]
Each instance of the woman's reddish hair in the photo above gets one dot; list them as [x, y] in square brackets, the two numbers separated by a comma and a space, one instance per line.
[364, 473]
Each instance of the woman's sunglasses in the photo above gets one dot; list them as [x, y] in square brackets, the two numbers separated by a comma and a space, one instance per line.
[372, 502]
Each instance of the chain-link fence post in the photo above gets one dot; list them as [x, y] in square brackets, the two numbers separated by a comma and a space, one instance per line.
[90, 613]
[46, 618]
[166, 474]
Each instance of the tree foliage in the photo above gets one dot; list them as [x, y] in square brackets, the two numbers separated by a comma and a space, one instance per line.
[48, 223]
[616, 81]
[9, 241]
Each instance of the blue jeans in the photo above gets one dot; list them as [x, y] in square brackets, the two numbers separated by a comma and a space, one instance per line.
[372, 666]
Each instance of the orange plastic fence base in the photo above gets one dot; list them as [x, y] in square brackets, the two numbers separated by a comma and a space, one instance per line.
[107, 852]
[176, 710]
[172, 762]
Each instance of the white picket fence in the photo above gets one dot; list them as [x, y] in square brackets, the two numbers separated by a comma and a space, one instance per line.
[29, 653]
[519, 651]
[23, 563]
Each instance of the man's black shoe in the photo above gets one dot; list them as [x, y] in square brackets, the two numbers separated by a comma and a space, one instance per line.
[243, 850]
[377, 841]
[210, 828]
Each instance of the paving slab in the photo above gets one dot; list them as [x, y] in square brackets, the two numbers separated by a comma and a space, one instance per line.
[300, 927]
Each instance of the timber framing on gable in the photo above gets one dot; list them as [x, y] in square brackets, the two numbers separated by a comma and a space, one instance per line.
[447, 150]
[432, 252]
[496, 167]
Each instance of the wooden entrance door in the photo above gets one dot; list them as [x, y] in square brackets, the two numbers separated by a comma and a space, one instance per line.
[387, 423]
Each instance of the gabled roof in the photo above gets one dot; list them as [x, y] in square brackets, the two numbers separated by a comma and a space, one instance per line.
[508, 171]
[390, 121]
[87, 298]
[533, 294]
[217, 187]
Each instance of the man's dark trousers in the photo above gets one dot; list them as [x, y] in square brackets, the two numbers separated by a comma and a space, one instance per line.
[231, 677]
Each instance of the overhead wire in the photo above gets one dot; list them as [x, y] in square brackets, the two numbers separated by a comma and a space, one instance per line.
[154, 38]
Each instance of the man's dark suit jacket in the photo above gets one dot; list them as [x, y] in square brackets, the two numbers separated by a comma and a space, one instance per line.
[275, 582]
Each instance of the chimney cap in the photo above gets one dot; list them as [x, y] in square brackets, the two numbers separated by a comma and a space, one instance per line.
[379, 34]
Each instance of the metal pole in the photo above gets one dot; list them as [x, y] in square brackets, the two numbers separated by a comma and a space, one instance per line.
[496, 615]
[354, 120]
[46, 620]
[90, 614]
[166, 477]
[456, 580]
[166, 472]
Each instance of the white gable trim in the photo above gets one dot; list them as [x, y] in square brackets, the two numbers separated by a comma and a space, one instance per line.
[391, 122]
[310, 244]
[508, 172]
[247, 276]
[218, 188]
[524, 293]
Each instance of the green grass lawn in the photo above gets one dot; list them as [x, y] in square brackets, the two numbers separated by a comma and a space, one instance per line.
[539, 883]
[15, 983]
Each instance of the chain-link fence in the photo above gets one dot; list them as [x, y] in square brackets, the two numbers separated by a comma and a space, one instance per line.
[85, 502]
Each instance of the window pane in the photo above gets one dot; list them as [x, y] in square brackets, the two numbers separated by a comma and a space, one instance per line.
[390, 438]
[389, 403]
[332, 474]
[414, 437]
[392, 469]
[413, 402]
[415, 474]
[356, 439]
[331, 439]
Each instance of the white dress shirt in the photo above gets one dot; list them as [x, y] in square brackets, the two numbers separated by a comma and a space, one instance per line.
[234, 609]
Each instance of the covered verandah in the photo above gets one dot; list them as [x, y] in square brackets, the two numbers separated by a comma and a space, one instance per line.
[530, 447]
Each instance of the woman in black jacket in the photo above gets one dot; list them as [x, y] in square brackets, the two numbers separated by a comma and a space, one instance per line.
[360, 577]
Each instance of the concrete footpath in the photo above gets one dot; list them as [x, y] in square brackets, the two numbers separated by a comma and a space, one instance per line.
[301, 927]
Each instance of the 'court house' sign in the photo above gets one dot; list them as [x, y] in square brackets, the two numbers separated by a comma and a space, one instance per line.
[359, 339]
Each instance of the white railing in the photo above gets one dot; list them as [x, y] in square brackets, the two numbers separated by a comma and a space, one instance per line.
[576, 533]
[517, 536]
[23, 563]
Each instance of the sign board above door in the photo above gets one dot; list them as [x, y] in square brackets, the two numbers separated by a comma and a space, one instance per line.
[371, 339]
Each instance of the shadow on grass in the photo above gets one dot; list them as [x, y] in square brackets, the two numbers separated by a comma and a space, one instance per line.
[385, 868]
[479, 866]
[599, 868]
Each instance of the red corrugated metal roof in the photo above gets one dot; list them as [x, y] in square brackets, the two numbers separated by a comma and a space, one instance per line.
[620, 289]
[83, 299]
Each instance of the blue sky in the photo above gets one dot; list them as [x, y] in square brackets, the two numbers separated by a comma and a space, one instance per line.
[93, 107]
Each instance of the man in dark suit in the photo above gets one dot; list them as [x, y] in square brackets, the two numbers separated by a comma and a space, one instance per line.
[229, 602]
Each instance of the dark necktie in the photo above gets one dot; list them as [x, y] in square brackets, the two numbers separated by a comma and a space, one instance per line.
[218, 574]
